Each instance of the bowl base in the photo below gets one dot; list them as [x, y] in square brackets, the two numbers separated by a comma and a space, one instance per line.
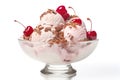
[58, 70]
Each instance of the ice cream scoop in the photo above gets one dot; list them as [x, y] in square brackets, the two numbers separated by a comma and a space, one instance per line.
[51, 17]
[75, 33]
[42, 34]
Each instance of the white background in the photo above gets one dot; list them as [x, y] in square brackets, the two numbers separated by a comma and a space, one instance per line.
[102, 64]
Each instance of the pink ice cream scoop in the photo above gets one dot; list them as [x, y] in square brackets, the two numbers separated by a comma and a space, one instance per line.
[51, 17]
[75, 33]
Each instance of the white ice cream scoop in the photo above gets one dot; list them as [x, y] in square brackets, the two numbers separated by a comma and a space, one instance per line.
[52, 18]
[75, 33]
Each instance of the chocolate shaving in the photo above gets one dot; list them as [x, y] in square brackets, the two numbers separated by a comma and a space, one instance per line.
[47, 29]
[48, 11]
[59, 38]
[65, 60]
[51, 11]
[38, 29]
[71, 37]
[71, 24]
[59, 28]
[73, 16]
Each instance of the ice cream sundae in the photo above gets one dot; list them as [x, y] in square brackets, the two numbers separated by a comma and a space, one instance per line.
[59, 38]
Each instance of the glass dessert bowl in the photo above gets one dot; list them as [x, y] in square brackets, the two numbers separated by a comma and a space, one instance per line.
[58, 40]
[58, 59]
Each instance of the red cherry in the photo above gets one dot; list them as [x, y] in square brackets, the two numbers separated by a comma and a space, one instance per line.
[91, 35]
[61, 10]
[28, 30]
[78, 21]
[66, 16]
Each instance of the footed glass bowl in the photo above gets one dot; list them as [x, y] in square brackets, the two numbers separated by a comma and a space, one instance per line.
[58, 59]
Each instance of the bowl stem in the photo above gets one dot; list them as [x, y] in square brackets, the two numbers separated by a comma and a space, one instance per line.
[58, 70]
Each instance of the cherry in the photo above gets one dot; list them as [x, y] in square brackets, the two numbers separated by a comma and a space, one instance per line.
[78, 20]
[61, 9]
[91, 35]
[63, 12]
[66, 16]
[28, 30]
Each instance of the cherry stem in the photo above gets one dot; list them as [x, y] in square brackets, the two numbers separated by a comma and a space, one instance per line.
[20, 23]
[72, 9]
[90, 22]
